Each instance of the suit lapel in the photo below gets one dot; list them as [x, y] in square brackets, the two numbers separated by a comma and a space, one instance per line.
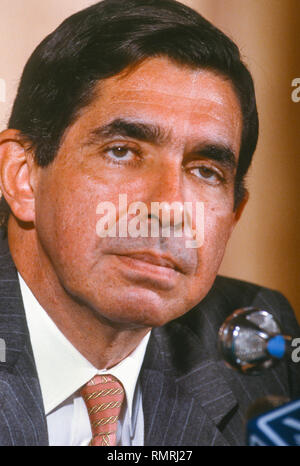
[22, 419]
[186, 399]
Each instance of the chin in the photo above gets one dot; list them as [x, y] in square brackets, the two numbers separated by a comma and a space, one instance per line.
[144, 308]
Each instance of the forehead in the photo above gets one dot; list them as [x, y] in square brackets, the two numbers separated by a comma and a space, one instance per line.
[189, 103]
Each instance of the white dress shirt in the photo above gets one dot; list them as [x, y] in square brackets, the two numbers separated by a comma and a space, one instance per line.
[62, 371]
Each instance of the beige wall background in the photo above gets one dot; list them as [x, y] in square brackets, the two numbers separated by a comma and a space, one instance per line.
[265, 246]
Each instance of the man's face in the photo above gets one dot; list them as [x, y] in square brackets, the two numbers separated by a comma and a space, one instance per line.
[161, 133]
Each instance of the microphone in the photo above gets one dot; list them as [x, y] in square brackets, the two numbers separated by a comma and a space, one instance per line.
[251, 340]
[273, 421]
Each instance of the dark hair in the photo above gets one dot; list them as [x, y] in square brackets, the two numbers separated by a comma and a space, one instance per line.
[104, 39]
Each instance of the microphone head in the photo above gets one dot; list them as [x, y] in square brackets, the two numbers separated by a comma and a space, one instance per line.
[250, 340]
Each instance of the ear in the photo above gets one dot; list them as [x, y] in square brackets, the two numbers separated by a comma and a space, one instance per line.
[16, 174]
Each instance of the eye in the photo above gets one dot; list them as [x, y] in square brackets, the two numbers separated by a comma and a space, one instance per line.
[121, 152]
[208, 174]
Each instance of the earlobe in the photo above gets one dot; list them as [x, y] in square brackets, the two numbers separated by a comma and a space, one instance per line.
[15, 168]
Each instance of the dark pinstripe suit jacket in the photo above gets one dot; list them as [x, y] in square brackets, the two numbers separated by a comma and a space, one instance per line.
[189, 396]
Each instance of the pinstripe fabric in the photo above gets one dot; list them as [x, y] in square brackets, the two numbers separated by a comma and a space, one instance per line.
[189, 396]
[196, 399]
[22, 419]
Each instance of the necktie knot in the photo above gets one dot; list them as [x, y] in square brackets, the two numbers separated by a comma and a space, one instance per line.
[103, 396]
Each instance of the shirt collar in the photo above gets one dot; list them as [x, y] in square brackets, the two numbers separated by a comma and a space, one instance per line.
[61, 368]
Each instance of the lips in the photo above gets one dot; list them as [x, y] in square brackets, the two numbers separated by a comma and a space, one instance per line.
[166, 254]
[155, 259]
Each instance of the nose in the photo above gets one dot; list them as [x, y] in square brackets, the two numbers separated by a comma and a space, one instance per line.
[169, 182]
[174, 208]
[167, 195]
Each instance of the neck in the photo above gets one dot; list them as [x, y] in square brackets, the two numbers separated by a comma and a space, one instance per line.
[102, 342]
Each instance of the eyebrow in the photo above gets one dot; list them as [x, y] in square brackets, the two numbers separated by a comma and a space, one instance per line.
[155, 134]
[220, 153]
[134, 129]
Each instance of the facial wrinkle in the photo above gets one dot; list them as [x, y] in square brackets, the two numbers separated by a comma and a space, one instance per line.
[191, 97]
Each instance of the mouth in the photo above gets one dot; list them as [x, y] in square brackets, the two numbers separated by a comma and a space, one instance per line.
[144, 267]
[154, 259]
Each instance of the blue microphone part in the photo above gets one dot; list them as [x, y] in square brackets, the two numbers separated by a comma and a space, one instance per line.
[277, 427]
[276, 346]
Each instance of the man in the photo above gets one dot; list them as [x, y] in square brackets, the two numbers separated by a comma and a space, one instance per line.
[147, 100]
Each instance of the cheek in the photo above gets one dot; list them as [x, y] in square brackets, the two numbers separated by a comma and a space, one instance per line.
[66, 213]
[217, 229]
[218, 224]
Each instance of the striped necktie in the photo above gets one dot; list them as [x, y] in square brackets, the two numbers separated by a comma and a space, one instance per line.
[103, 396]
